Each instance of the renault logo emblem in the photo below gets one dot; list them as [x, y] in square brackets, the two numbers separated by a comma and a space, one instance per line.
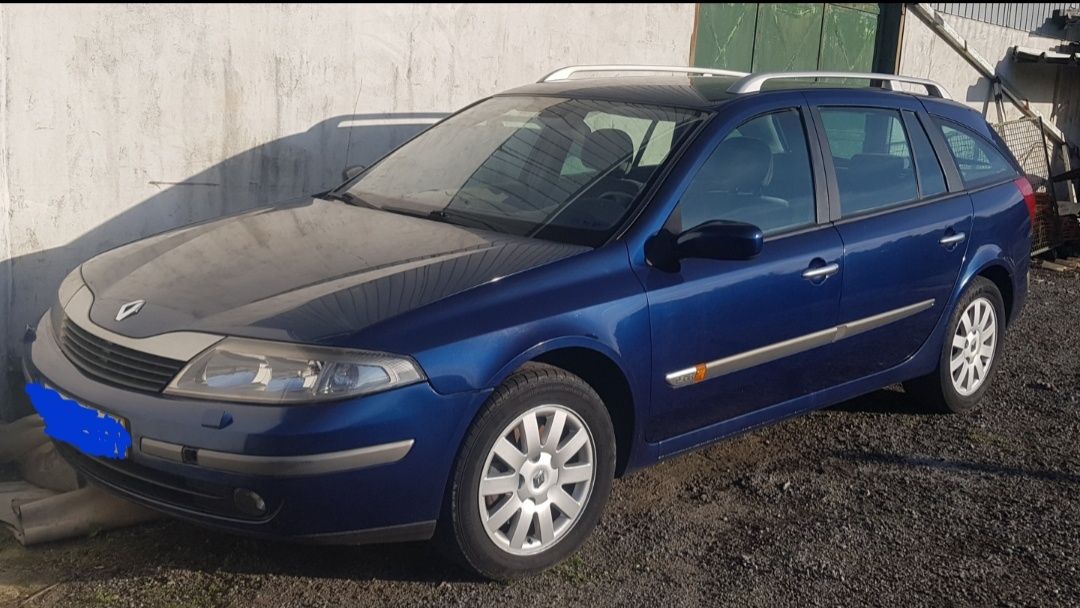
[129, 309]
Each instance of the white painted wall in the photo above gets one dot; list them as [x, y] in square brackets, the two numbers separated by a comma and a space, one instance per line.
[122, 121]
[1054, 91]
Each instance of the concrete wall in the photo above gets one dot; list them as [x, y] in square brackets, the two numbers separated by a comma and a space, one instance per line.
[122, 121]
[1053, 91]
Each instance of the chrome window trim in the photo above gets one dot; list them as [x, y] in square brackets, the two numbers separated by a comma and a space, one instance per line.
[178, 345]
[793, 346]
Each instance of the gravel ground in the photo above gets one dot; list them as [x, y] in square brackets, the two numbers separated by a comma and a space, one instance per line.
[868, 503]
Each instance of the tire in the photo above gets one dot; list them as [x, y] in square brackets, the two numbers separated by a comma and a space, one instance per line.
[940, 391]
[472, 530]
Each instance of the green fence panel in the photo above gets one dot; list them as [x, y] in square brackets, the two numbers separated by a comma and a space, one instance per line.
[865, 7]
[793, 36]
[788, 37]
[725, 36]
[848, 39]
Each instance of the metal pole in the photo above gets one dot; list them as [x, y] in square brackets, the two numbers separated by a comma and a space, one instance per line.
[1046, 155]
[1070, 185]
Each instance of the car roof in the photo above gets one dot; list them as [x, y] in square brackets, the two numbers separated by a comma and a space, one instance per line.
[695, 92]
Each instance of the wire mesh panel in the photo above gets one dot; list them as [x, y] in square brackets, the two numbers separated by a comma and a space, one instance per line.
[1055, 221]
[1026, 140]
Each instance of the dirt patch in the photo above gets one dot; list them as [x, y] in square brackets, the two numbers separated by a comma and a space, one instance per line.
[867, 503]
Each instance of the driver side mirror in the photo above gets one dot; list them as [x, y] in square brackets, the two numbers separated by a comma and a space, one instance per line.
[714, 240]
[353, 171]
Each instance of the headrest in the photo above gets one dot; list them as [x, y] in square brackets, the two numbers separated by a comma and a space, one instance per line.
[604, 148]
[745, 164]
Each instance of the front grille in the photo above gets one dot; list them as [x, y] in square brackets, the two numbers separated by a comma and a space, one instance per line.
[114, 364]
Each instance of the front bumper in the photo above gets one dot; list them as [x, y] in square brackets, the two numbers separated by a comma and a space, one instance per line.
[367, 469]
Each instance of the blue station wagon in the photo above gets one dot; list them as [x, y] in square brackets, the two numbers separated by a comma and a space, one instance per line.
[551, 288]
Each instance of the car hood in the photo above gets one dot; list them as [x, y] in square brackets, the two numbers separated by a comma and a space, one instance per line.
[305, 272]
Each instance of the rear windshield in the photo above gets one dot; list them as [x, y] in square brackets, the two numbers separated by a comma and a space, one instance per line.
[569, 170]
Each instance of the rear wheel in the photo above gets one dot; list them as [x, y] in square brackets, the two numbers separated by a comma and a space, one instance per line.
[969, 354]
[532, 477]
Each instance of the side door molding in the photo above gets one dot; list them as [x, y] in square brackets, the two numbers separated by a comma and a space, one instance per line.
[794, 346]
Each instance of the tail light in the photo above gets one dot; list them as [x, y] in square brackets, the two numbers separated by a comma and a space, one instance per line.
[1029, 195]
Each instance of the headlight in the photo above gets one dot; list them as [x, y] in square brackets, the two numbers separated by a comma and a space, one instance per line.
[239, 369]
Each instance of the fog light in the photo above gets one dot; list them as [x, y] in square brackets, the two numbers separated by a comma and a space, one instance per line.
[249, 502]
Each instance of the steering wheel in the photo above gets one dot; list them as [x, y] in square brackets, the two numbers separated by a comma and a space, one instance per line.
[619, 192]
[603, 209]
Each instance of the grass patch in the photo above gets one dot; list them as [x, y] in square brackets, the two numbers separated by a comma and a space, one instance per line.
[102, 597]
[573, 571]
[986, 438]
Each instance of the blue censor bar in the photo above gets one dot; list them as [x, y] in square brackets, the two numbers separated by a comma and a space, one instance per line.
[94, 433]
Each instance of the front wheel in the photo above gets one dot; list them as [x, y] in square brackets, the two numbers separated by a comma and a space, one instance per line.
[532, 476]
[970, 353]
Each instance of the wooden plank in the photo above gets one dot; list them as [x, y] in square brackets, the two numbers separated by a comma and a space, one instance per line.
[1070, 262]
[1052, 266]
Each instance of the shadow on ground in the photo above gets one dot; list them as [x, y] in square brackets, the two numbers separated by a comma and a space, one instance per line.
[955, 466]
[892, 400]
[171, 546]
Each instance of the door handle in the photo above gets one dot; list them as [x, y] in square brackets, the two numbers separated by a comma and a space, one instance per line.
[821, 272]
[952, 239]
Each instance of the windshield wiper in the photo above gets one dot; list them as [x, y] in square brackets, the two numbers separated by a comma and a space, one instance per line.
[348, 198]
[454, 217]
[442, 215]
[449, 216]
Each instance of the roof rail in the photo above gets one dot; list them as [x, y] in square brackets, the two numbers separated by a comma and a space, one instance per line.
[752, 83]
[565, 73]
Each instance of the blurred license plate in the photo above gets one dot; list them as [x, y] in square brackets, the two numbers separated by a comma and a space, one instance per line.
[93, 432]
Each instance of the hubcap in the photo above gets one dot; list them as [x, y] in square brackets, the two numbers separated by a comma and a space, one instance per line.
[973, 346]
[536, 480]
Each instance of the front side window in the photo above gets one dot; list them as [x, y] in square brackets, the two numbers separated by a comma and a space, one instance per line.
[872, 158]
[569, 170]
[976, 159]
[759, 174]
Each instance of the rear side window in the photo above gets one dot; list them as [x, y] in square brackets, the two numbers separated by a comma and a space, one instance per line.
[931, 177]
[978, 161]
[872, 157]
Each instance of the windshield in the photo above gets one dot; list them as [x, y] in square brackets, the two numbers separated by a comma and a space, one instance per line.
[567, 170]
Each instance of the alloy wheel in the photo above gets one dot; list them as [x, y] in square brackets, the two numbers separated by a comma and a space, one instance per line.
[973, 346]
[536, 480]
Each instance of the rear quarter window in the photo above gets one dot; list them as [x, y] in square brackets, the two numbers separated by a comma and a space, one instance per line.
[977, 159]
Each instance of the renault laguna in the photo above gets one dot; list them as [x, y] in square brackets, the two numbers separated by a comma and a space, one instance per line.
[556, 286]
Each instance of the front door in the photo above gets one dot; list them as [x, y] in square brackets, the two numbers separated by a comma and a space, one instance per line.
[731, 337]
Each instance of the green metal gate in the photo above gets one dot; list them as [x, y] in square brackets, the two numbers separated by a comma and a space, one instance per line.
[796, 36]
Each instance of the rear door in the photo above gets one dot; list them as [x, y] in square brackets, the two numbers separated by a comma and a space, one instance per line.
[903, 217]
